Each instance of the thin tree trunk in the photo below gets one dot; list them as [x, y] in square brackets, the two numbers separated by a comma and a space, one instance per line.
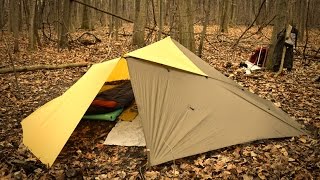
[205, 24]
[233, 12]
[116, 20]
[65, 25]
[2, 22]
[32, 38]
[301, 24]
[85, 16]
[225, 16]
[160, 17]
[111, 18]
[15, 23]
[139, 25]
[186, 34]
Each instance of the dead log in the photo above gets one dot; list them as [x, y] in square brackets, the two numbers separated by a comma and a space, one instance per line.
[88, 39]
[44, 66]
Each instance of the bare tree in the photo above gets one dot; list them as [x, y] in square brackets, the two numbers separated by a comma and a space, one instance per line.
[225, 16]
[140, 23]
[186, 34]
[116, 20]
[300, 18]
[14, 22]
[65, 24]
[85, 16]
[233, 12]
[32, 37]
[160, 17]
[207, 9]
[2, 13]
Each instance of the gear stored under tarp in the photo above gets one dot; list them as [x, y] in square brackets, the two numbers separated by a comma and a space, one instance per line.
[118, 97]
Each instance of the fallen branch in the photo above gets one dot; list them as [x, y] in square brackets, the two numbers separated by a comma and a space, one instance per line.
[39, 67]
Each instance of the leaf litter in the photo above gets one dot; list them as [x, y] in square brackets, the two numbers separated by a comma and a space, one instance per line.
[84, 155]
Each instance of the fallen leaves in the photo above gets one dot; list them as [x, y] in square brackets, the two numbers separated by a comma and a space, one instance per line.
[85, 156]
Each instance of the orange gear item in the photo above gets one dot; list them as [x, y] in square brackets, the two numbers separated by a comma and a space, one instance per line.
[104, 103]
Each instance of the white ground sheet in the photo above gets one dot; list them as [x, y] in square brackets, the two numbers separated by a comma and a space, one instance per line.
[126, 133]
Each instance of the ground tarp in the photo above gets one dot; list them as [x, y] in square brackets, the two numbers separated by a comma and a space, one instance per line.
[126, 133]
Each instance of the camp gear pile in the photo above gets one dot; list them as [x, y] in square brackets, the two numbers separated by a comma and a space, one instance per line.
[118, 97]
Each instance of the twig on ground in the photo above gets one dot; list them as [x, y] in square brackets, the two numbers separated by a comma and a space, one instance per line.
[39, 67]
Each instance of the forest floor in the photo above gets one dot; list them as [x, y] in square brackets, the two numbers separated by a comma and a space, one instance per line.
[85, 157]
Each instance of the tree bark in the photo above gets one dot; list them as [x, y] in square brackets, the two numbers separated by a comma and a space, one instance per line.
[2, 22]
[85, 17]
[139, 25]
[224, 23]
[111, 18]
[204, 28]
[280, 24]
[186, 34]
[116, 20]
[65, 25]
[301, 18]
[160, 18]
[32, 37]
[233, 12]
[14, 23]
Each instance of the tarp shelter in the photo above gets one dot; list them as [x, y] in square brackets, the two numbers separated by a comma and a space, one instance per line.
[185, 106]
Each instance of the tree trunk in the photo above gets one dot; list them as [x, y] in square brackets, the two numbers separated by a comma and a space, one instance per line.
[32, 37]
[37, 24]
[116, 20]
[301, 18]
[139, 25]
[224, 23]
[160, 18]
[205, 24]
[172, 11]
[65, 25]
[85, 17]
[2, 11]
[111, 18]
[73, 17]
[233, 12]
[280, 24]
[103, 16]
[186, 34]
[57, 12]
[14, 17]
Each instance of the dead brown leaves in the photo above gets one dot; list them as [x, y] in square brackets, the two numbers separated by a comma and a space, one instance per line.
[84, 156]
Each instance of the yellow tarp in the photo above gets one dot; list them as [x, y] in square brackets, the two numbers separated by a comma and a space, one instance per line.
[167, 53]
[46, 131]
